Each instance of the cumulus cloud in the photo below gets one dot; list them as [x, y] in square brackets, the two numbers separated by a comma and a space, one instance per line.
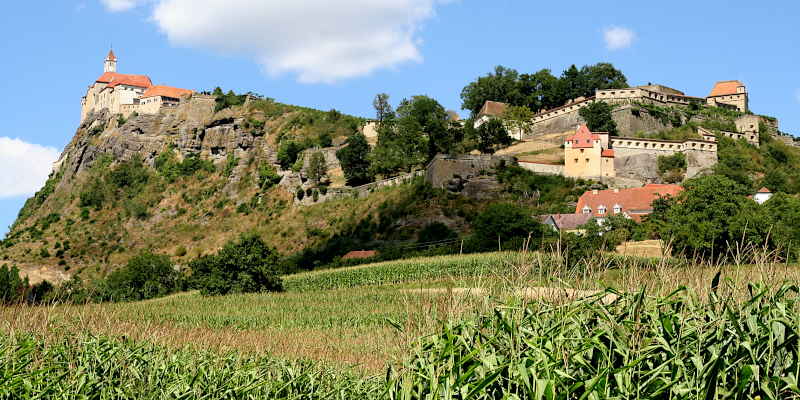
[120, 5]
[318, 40]
[25, 166]
[618, 38]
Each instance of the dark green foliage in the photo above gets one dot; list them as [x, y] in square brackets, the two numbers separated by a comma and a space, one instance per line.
[355, 160]
[146, 276]
[245, 266]
[227, 100]
[598, 117]
[672, 168]
[734, 162]
[267, 176]
[491, 135]
[288, 151]
[504, 222]
[550, 193]
[540, 90]
[435, 232]
[317, 167]
[12, 286]
[93, 195]
[129, 176]
[167, 165]
[709, 217]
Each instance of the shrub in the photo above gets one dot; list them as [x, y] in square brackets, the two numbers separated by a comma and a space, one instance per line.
[504, 222]
[146, 276]
[267, 176]
[245, 266]
[598, 117]
[317, 168]
[12, 286]
[435, 232]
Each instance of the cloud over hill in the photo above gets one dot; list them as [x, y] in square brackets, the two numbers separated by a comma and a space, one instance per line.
[318, 40]
[25, 165]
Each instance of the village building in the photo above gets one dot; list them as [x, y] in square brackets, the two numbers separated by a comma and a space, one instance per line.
[360, 254]
[729, 94]
[762, 196]
[569, 223]
[125, 94]
[632, 203]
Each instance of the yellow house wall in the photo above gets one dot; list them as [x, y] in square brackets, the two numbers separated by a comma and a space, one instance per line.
[582, 162]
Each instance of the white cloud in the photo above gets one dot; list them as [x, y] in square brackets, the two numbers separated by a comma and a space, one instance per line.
[120, 5]
[618, 38]
[25, 166]
[318, 40]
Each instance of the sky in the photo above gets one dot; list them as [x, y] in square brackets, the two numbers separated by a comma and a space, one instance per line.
[339, 54]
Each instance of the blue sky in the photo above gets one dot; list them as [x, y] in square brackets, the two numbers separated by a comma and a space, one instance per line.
[339, 54]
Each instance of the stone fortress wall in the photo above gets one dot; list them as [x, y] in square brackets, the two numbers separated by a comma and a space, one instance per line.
[637, 158]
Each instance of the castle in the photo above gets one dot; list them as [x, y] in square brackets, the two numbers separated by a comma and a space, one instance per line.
[125, 94]
[597, 155]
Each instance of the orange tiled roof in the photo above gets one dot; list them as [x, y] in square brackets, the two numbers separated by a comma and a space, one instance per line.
[359, 254]
[111, 56]
[724, 88]
[114, 79]
[493, 108]
[764, 190]
[583, 138]
[166, 91]
[607, 153]
[635, 201]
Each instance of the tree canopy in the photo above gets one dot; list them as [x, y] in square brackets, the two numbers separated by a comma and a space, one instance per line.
[540, 90]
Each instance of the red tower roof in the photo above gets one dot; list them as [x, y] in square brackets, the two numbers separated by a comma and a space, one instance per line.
[583, 138]
[111, 56]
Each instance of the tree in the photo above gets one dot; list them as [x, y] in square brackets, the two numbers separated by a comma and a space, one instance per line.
[501, 85]
[403, 141]
[287, 153]
[701, 220]
[12, 286]
[146, 276]
[383, 110]
[518, 119]
[503, 222]
[424, 116]
[672, 168]
[245, 266]
[491, 134]
[354, 158]
[598, 117]
[435, 232]
[540, 90]
[317, 167]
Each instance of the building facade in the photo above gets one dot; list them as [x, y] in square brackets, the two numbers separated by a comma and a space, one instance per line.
[729, 94]
[125, 94]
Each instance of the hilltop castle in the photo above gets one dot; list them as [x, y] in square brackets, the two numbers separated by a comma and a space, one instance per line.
[125, 94]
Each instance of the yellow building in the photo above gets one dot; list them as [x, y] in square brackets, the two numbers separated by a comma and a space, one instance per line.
[587, 155]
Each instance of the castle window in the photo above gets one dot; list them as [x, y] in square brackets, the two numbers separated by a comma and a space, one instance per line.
[586, 210]
[617, 208]
[587, 160]
[601, 210]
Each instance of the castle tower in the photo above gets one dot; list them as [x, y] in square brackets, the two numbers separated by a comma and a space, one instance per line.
[110, 65]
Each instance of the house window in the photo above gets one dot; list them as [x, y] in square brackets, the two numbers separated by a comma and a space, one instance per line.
[586, 210]
[587, 160]
[576, 161]
[617, 208]
[601, 210]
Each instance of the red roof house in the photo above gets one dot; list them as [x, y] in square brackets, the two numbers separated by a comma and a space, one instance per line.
[634, 202]
[359, 254]
[114, 79]
[725, 88]
[166, 91]
[584, 138]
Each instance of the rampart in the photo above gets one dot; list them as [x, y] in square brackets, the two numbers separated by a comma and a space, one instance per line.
[541, 168]
[637, 158]
[444, 167]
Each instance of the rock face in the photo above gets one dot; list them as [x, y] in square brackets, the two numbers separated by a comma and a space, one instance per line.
[467, 174]
[191, 128]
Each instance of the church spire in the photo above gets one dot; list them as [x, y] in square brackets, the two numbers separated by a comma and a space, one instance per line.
[110, 64]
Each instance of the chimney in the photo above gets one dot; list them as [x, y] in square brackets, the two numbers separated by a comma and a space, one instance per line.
[595, 191]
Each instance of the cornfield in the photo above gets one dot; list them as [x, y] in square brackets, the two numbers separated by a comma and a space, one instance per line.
[636, 346]
[674, 347]
[414, 269]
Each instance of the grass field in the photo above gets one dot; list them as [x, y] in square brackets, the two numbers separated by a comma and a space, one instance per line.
[336, 328]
